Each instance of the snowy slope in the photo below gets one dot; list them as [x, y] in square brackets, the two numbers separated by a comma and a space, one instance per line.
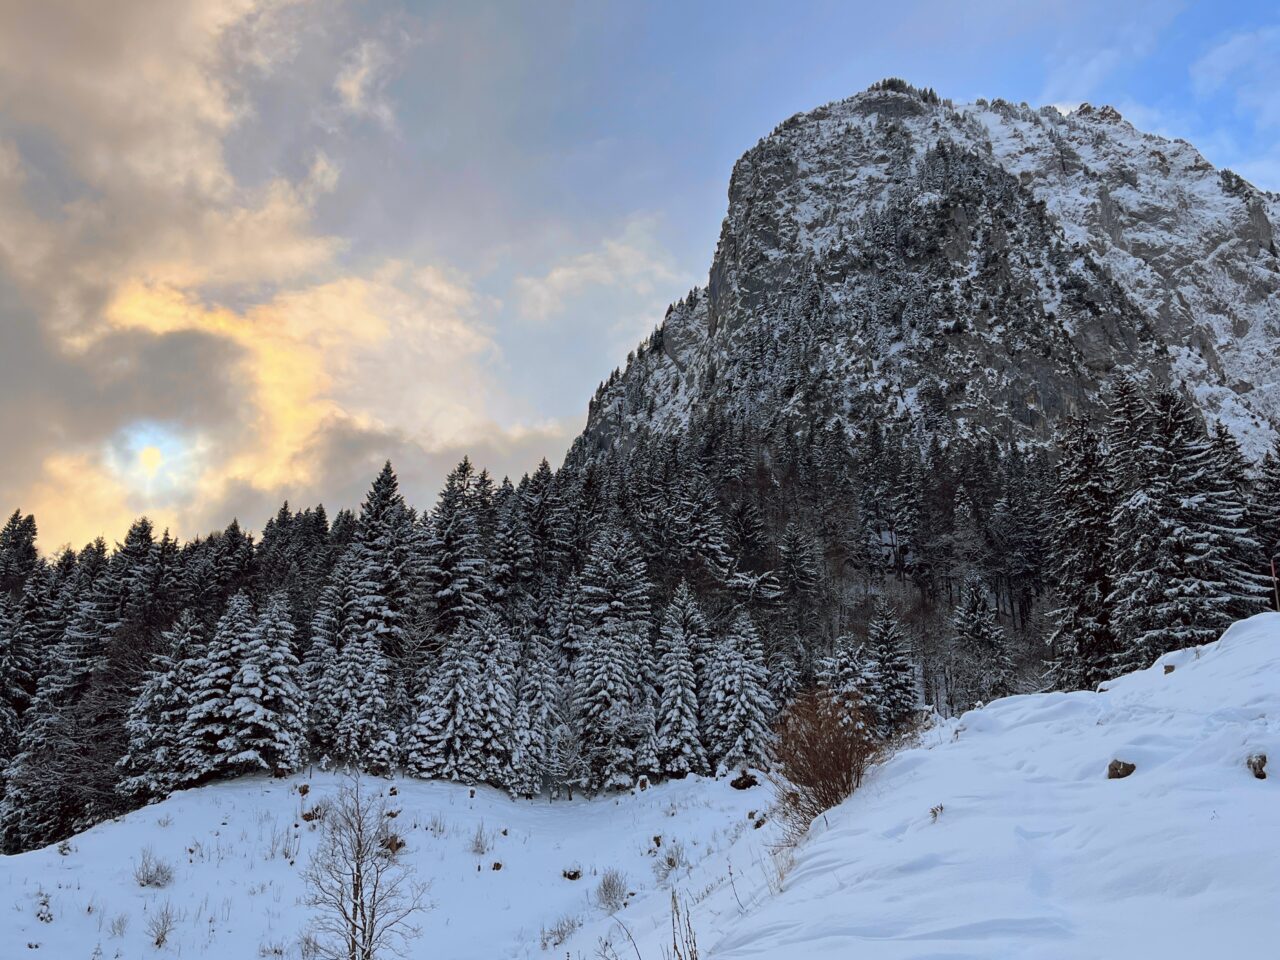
[236, 898]
[1036, 853]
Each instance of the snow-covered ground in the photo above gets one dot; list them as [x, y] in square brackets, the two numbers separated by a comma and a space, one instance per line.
[237, 895]
[1033, 851]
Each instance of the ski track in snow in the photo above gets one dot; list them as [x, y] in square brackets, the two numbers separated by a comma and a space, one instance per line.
[1035, 854]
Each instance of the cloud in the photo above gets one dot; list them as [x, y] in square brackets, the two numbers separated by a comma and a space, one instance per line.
[362, 80]
[1249, 65]
[632, 262]
[181, 338]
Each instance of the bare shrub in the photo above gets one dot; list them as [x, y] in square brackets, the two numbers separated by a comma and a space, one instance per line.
[611, 891]
[316, 814]
[560, 931]
[119, 925]
[366, 897]
[152, 871]
[481, 841]
[822, 748]
[671, 859]
[438, 826]
[161, 923]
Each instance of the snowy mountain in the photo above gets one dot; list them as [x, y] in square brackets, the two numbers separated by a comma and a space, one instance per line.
[1000, 835]
[978, 268]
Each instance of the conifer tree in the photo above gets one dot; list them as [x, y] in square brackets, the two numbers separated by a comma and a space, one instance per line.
[983, 668]
[537, 693]
[887, 646]
[455, 569]
[1083, 643]
[443, 741]
[739, 706]
[495, 697]
[265, 715]
[852, 675]
[679, 742]
[153, 764]
[207, 737]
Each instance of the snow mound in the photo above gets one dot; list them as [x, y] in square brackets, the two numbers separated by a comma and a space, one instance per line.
[1034, 851]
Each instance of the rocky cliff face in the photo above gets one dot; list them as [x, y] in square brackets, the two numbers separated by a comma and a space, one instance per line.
[964, 269]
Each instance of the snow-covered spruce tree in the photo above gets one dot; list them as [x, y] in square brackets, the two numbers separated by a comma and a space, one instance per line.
[17, 666]
[606, 683]
[512, 569]
[207, 737]
[496, 696]
[444, 740]
[679, 739]
[698, 529]
[365, 736]
[18, 555]
[267, 731]
[683, 621]
[455, 570]
[153, 764]
[537, 694]
[1227, 530]
[888, 647]
[1181, 550]
[644, 721]
[1081, 545]
[568, 766]
[852, 675]
[55, 780]
[1264, 511]
[799, 570]
[347, 676]
[387, 535]
[614, 661]
[982, 666]
[739, 706]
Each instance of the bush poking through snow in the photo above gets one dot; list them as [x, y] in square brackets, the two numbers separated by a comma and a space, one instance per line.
[559, 932]
[821, 750]
[119, 925]
[160, 924]
[151, 871]
[934, 813]
[671, 859]
[481, 841]
[611, 892]
[367, 897]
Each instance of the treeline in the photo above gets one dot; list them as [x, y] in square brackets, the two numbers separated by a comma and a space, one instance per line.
[643, 612]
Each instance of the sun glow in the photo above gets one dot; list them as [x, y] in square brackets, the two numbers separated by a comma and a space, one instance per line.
[151, 459]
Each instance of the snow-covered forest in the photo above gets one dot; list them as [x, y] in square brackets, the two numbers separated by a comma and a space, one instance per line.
[637, 614]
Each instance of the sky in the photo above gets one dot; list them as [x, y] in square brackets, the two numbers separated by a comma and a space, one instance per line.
[250, 249]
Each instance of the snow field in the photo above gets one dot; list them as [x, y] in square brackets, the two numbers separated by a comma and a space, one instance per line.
[237, 850]
[1033, 852]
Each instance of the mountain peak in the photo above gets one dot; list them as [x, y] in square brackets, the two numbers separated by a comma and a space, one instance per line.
[976, 269]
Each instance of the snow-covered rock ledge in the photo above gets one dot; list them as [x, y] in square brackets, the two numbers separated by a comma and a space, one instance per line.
[1034, 851]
